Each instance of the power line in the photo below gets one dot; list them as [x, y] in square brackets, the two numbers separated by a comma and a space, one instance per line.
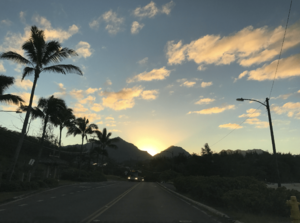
[235, 128]
[287, 21]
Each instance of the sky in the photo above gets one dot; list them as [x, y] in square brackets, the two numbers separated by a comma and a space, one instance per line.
[162, 73]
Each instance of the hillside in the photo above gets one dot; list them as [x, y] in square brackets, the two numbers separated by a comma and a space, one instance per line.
[172, 151]
[125, 151]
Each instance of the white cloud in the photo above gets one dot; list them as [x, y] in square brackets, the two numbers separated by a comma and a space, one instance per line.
[263, 44]
[150, 94]
[83, 49]
[231, 126]
[288, 67]
[206, 84]
[5, 22]
[136, 27]
[143, 61]
[108, 82]
[62, 91]
[151, 10]
[155, 74]
[213, 110]
[205, 101]
[2, 69]
[188, 83]
[167, 8]
[22, 17]
[113, 22]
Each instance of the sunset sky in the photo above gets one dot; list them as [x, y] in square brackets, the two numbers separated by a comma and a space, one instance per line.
[162, 73]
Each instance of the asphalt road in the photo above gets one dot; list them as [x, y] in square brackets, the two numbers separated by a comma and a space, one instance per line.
[104, 202]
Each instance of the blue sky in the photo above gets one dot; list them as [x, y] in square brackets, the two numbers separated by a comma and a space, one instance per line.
[162, 73]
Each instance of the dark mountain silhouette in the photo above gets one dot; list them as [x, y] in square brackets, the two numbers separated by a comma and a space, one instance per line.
[125, 151]
[243, 152]
[172, 151]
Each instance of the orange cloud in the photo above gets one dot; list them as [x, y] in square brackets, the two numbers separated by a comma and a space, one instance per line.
[97, 107]
[206, 84]
[257, 123]
[83, 49]
[25, 84]
[231, 126]
[251, 113]
[204, 101]
[155, 74]
[88, 100]
[292, 109]
[150, 94]
[213, 110]
[109, 118]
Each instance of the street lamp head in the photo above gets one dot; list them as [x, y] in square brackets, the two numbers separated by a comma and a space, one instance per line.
[240, 99]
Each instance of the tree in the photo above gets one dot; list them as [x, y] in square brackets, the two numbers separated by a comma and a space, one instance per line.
[206, 150]
[81, 127]
[64, 119]
[105, 141]
[40, 54]
[5, 82]
[51, 107]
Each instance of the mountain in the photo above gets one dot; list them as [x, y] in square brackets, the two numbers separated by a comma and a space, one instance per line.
[125, 151]
[172, 151]
[243, 152]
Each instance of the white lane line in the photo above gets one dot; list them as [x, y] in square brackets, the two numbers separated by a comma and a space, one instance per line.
[22, 204]
[53, 197]
[2, 209]
[39, 200]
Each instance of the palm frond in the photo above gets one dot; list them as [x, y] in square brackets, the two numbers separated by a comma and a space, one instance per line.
[73, 130]
[38, 40]
[64, 69]
[34, 112]
[27, 71]
[58, 55]
[30, 50]
[10, 98]
[13, 56]
[50, 48]
[5, 82]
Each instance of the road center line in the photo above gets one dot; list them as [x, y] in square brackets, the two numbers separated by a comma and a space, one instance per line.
[107, 206]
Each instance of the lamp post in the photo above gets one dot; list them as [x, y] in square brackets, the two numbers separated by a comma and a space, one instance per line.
[271, 131]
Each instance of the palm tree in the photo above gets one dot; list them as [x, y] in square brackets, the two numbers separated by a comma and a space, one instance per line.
[82, 127]
[40, 54]
[5, 82]
[105, 141]
[64, 119]
[51, 107]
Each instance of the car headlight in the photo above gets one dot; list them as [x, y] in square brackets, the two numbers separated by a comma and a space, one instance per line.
[136, 178]
[128, 178]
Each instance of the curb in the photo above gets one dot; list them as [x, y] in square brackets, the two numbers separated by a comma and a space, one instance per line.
[210, 209]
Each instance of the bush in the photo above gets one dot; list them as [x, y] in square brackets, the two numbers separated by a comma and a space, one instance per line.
[82, 176]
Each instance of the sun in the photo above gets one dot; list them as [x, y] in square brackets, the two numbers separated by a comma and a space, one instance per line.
[150, 149]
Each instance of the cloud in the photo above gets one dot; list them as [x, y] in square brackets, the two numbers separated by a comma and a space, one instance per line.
[213, 110]
[263, 44]
[54, 34]
[143, 61]
[251, 113]
[108, 82]
[88, 100]
[97, 107]
[114, 130]
[113, 22]
[79, 108]
[78, 94]
[122, 99]
[184, 82]
[206, 84]
[258, 124]
[5, 22]
[123, 116]
[110, 125]
[22, 17]
[150, 94]
[288, 67]
[292, 109]
[26, 97]
[25, 84]
[83, 49]
[283, 96]
[99, 123]
[62, 91]
[167, 8]
[155, 74]
[205, 101]
[2, 69]
[231, 126]
[109, 118]
[92, 90]
[151, 10]
[136, 27]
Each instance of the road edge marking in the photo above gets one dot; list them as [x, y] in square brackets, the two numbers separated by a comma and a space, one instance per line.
[107, 206]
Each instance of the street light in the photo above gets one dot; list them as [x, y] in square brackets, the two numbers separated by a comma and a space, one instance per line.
[271, 131]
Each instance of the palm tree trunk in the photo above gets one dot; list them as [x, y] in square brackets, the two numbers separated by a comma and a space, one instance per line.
[41, 144]
[79, 161]
[19, 146]
[59, 143]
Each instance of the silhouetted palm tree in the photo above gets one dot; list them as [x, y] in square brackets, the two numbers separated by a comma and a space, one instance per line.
[40, 55]
[64, 119]
[104, 141]
[51, 107]
[5, 82]
[82, 127]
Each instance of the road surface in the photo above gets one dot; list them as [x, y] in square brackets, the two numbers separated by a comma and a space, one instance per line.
[104, 202]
